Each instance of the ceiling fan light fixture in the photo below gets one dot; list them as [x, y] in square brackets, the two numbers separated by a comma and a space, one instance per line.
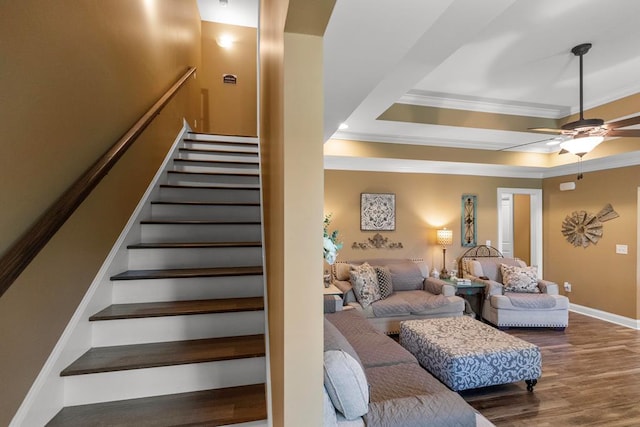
[581, 145]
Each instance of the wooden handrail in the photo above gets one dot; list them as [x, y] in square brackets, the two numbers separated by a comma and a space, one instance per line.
[18, 257]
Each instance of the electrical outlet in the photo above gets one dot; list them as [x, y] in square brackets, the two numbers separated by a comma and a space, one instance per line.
[567, 286]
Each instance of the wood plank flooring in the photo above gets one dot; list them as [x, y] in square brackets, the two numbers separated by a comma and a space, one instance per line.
[590, 377]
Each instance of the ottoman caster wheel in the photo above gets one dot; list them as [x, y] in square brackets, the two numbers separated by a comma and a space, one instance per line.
[531, 384]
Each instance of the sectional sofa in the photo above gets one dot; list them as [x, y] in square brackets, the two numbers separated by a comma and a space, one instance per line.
[371, 380]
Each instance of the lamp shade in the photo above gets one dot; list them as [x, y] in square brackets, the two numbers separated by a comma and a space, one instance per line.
[444, 237]
[581, 145]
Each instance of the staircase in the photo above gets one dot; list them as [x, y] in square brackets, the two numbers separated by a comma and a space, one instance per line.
[183, 341]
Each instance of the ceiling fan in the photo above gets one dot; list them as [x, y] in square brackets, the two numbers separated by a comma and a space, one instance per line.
[583, 135]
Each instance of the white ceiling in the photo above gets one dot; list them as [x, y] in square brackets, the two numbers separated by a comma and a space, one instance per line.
[500, 56]
[496, 56]
[236, 12]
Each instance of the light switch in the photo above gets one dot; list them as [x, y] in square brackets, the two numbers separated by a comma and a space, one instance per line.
[621, 249]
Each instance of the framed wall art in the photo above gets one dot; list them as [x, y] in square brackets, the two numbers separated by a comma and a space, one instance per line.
[377, 212]
[468, 221]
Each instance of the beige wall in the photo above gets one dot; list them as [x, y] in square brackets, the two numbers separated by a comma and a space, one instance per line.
[601, 278]
[75, 76]
[229, 109]
[424, 203]
[291, 137]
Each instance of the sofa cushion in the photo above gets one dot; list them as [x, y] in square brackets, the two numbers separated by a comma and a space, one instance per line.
[373, 347]
[334, 340]
[490, 267]
[329, 418]
[407, 302]
[407, 395]
[346, 384]
[365, 283]
[341, 270]
[385, 285]
[521, 301]
[406, 276]
[519, 279]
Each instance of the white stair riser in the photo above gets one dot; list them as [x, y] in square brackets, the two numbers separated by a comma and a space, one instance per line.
[214, 167]
[154, 233]
[209, 195]
[219, 157]
[249, 140]
[204, 179]
[176, 328]
[144, 259]
[205, 212]
[261, 423]
[108, 386]
[156, 290]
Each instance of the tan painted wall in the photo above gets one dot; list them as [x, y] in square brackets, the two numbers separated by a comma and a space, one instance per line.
[75, 76]
[291, 136]
[522, 227]
[229, 109]
[601, 278]
[424, 203]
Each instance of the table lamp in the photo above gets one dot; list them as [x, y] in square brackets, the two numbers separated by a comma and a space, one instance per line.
[444, 238]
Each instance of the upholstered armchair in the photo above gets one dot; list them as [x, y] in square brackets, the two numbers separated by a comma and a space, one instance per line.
[514, 296]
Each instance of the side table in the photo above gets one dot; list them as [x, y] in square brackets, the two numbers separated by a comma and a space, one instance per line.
[332, 299]
[467, 289]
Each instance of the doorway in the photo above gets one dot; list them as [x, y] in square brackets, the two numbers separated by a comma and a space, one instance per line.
[513, 216]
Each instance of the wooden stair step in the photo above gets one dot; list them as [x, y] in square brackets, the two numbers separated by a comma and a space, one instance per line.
[140, 356]
[214, 151]
[212, 162]
[241, 187]
[194, 203]
[185, 273]
[178, 308]
[230, 143]
[194, 245]
[229, 173]
[200, 408]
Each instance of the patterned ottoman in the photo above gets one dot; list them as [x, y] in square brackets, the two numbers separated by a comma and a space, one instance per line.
[464, 353]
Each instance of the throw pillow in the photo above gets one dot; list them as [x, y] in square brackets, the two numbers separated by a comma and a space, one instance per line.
[346, 384]
[365, 284]
[384, 281]
[519, 279]
[329, 419]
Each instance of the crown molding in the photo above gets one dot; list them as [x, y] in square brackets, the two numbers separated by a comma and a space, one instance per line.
[370, 164]
[485, 105]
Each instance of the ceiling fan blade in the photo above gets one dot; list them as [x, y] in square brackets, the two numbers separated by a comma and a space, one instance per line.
[563, 151]
[629, 133]
[624, 123]
[547, 130]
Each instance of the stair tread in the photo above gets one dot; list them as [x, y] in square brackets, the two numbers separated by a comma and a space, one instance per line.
[229, 172]
[238, 143]
[218, 151]
[171, 245]
[178, 308]
[204, 408]
[197, 203]
[194, 221]
[244, 187]
[184, 273]
[231, 162]
[140, 356]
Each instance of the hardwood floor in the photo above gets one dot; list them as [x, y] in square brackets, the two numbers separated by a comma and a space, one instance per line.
[590, 377]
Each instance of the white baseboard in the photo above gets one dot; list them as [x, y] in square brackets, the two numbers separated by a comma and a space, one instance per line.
[606, 316]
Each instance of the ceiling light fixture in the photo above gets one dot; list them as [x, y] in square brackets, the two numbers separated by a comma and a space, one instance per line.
[224, 3]
[581, 145]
